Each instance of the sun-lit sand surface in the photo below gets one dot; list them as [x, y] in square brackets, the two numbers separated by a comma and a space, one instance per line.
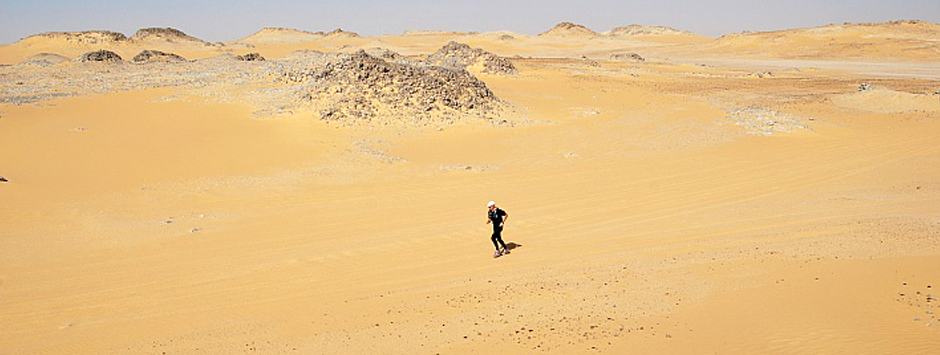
[722, 196]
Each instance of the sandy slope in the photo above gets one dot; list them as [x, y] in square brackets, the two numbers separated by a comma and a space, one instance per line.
[644, 218]
[893, 41]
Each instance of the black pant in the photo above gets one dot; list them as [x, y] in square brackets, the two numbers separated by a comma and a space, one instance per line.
[497, 237]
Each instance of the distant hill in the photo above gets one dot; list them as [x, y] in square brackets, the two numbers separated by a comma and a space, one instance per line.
[81, 37]
[896, 39]
[164, 34]
[340, 33]
[640, 30]
[568, 29]
[414, 33]
[279, 34]
[100, 37]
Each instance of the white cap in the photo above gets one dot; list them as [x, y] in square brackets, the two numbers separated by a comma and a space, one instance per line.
[491, 204]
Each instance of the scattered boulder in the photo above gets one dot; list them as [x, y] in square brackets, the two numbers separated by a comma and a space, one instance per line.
[150, 56]
[505, 37]
[250, 57]
[761, 74]
[865, 87]
[3, 179]
[627, 57]
[460, 56]
[100, 56]
[590, 62]
[568, 29]
[761, 121]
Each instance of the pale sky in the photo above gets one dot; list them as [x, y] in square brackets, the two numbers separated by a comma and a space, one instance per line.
[228, 20]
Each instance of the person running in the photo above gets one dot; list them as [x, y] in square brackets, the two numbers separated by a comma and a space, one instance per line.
[498, 218]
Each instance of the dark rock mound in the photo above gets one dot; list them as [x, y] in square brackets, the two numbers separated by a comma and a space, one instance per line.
[360, 86]
[168, 34]
[100, 56]
[250, 57]
[149, 56]
[459, 55]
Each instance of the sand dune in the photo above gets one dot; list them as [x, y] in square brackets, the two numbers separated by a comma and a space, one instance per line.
[659, 206]
[278, 34]
[899, 40]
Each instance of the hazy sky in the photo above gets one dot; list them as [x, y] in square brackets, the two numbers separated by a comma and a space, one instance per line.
[227, 20]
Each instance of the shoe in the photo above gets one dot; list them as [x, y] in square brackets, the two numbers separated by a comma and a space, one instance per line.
[497, 254]
[504, 252]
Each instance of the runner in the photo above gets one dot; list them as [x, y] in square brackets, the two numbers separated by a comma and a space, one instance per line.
[498, 218]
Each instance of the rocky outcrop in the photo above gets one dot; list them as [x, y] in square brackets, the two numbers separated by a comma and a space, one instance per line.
[84, 37]
[167, 34]
[460, 56]
[250, 57]
[568, 29]
[362, 87]
[100, 56]
[627, 57]
[340, 33]
[150, 56]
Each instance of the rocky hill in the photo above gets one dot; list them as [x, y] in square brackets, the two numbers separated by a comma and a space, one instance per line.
[166, 34]
[359, 88]
[568, 29]
[897, 39]
[81, 37]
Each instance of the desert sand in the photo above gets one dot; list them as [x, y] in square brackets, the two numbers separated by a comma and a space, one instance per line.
[758, 193]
